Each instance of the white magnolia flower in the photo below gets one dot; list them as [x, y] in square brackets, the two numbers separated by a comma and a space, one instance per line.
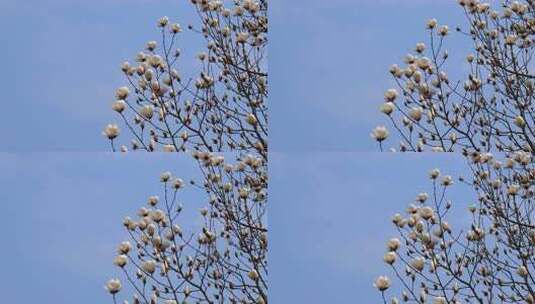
[149, 266]
[113, 286]
[251, 119]
[164, 177]
[178, 183]
[162, 22]
[151, 45]
[111, 131]
[176, 28]
[122, 93]
[447, 180]
[520, 122]
[426, 212]
[157, 215]
[393, 244]
[422, 197]
[382, 283]
[387, 108]
[420, 47]
[124, 247]
[147, 111]
[119, 105]
[439, 300]
[432, 23]
[416, 113]
[169, 148]
[242, 37]
[510, 39]
[120, 260]
[380, 133]
[522, 271]
[433, 174]
[418, 263]
[444, 30]
[391, 95]
[390, 257]
[153, 200]
[253, 275]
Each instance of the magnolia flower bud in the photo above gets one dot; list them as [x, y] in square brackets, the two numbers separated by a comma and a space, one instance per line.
[444, 30]
[251, 119]
[426, 212]
[169, 148]
[125, 67]
[393, 244]
[149, 266]
[157, 215]
[253, 275]
[390, 257]
[380, 133]
[418, 263]
[151, 45]
[439, 300]
[119, 106]
[241, 37]
[447, 180]
[420, 47]
[111, 131]
[178, 183]
[433, 174]
[227, 187]
[162, 22]
[422, 197]
[387, 108]
[416, 113]
[432, 23]
[147, 111]
[513, 190]
[113, 286]
[164, 177]
[122, 93]
[176, 28]
[382, 283]
[522, 271]
[520, 122]
[153, 200]
[124, 247]
[120, 260]
[243, 192]
[391, 95]
[510, 39]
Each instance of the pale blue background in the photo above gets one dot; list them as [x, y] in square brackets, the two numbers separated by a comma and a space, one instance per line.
[62, 219]
[61, 66]
[328, 63]
[330, 217]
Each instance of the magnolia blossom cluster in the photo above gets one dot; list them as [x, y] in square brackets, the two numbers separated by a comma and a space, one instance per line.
[221, 107]
[488, 260]
[490, 108]
[224, 260]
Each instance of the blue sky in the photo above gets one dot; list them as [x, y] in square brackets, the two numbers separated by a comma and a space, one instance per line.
[328, 64]
[63, 213]
[62, 65]
[330, 217]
